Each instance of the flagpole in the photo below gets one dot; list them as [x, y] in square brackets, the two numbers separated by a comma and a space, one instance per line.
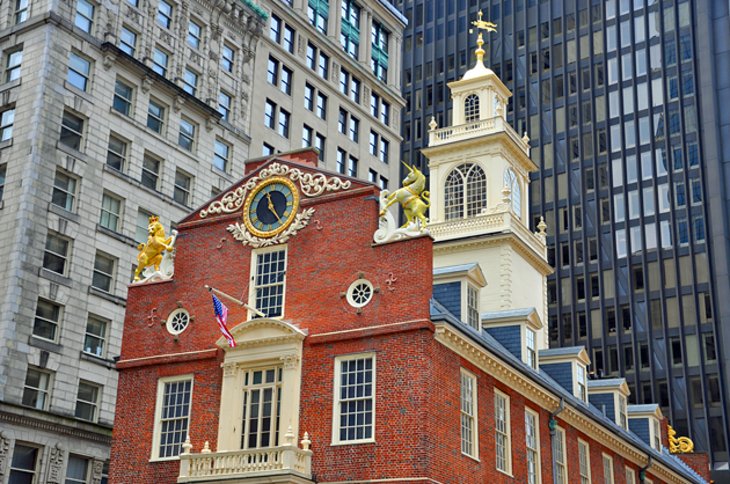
[234, 300]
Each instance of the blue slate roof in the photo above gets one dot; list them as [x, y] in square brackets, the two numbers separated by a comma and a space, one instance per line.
[482, 338]
[563, 351]
[606, 383]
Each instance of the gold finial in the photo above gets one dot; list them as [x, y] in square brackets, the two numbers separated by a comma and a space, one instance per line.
[481, 24]
[679, 445]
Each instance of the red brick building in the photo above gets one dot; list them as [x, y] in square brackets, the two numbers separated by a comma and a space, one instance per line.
[356, 373]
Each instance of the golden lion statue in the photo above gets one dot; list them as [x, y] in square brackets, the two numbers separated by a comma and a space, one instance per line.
[412, 197]
[151, 252]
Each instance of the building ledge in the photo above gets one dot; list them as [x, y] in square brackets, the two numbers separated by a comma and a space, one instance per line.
[109, 297]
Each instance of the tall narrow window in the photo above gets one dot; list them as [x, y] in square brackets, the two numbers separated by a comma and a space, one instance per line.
[183, 186]
[630, 476]
[607, 469]
[221, 155]
[3, 172]
[22, 11]
[584, 462]
[379, 55]
[127, 41]
[469, 414]
[116, 153]
[55, 255]
[354, 409]
[269, 282]
[350, 31]
[532, 445]
[190, 82]
[172, 416]
[622, 416]
[503, 446]
[160, 60]
[84, 15]
[95, 338]
[103, 276]
[122, 98]
[7, 118]
[47, 320]
[186, 136]
[530, 348]
[318, 13]
[512, 182]
[164, 14]
[581, 383]
[87, 401]
[224, 105]
[64, 191]
[12, 65]
[227, 58]
[471, 108]
[195, 32]
[150, 172]
[561, 463]
[77, 471]
[111, 211]
[72, 128]
[261, 404]
[472, 306]
[79, 70]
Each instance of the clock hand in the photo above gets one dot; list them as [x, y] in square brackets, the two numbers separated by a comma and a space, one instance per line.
[271, 207]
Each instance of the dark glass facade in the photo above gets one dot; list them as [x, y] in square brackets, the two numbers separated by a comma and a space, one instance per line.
[622, 100]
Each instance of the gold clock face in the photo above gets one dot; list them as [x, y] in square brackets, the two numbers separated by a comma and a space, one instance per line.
[271, 207]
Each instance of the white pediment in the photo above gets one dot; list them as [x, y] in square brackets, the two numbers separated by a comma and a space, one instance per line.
[263, 332]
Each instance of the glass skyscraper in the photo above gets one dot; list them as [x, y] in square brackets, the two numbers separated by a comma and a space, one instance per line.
[627, 105]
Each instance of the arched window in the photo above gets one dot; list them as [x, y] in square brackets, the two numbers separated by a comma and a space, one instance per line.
[466, 187]
[511, 181]
[471, 108]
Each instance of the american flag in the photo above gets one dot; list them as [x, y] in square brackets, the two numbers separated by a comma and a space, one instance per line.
[221, 316]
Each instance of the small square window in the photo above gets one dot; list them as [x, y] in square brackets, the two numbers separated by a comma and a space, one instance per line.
[103, 276]
[87, 401]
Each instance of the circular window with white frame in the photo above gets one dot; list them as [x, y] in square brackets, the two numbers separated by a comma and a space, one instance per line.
[360, 293]
[178, 321]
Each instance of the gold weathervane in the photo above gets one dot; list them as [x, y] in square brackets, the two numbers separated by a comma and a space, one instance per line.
[480, 25]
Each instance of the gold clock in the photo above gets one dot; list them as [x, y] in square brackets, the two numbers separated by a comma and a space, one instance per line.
[271, 207]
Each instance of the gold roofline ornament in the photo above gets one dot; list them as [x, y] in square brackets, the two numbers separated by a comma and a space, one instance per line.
[679, 445]
[480, 25]
[157, 252]
[413, 198]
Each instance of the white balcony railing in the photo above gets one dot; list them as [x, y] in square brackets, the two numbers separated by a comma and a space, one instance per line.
[210, 466]
[497, 124]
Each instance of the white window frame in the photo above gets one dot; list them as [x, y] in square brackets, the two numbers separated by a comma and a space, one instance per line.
[157, 174]
[584, 468]
[581, 382]
[531, 414]
[157, 430]
[110, 275]
[473, 318]
[158, 55]
[507, 433]
[336, 399]
[13, 64]
[656, 437]
[84, 16]
[158, 118]
[194, 39]
[64, 256]
[125, 36]
[121, 155]
[608, 477]
[180, 193]
[75, 60]
[218, 158]
[35, 470]
[87, 472]
[469, 416]
[102, 338]
[531, 348]
[275, 437]
[95, 405]
[55, 324]
[253, 287]
[622, 416]
[630, 476]
[561, 474]
[45, 391]
[107, 209]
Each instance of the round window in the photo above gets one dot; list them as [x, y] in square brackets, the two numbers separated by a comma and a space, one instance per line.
[360, 293]
[178, 321]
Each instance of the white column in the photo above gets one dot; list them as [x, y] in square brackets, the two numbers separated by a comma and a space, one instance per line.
[291, 381]
[230, 419]
[365, 34]
[334, 20]
[394, 61]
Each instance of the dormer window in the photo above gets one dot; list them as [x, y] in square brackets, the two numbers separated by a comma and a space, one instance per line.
[581, 384]
[465, 191]
[622, 416]
[657, 437]
[472, 306]
[531, 352]
[511, 181]
[471, 108]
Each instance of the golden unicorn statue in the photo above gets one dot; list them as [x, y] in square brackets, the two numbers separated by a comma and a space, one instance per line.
[151, 252]
[411, 197]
